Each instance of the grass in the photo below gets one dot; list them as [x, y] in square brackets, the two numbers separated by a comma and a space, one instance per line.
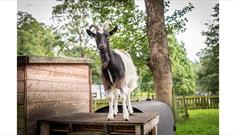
[200, 122]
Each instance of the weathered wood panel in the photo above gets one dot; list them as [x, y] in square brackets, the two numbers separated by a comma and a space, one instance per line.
[20, 86]
[34, 97]
[20, 98]
[50, 87]
[46, 86]
[34, 74]
[69, 69]
[36, 110]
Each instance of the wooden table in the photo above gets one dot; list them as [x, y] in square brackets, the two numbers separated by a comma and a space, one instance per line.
[97, 124]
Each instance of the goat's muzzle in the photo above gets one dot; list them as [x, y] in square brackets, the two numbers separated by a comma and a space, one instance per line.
[105, 59]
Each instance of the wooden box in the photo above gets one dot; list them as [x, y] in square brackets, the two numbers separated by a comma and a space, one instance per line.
[97, 124]
[51, 87]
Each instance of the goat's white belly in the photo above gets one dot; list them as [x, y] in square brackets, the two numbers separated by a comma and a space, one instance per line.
[131, 77]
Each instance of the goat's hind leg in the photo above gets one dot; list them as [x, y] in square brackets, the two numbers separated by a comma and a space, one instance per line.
[130, 109]
[132, 86]
[124, 93]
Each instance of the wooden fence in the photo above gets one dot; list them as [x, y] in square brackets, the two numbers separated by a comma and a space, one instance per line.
[192, 102]
[199, 102]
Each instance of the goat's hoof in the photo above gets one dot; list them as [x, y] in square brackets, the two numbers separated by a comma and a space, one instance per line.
[126, 119]
[109, 119]
[115, 115]
[131, 114]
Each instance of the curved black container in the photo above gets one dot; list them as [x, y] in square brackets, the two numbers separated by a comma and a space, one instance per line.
[166, 119]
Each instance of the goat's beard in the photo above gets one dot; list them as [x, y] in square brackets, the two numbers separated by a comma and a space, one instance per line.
[105, 60]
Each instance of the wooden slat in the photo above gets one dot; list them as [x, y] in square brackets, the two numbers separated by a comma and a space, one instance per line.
[20, 98]
[20, 122]
[20, 110]
[34, 97]
[68, 69]
[20, 86]
[46, 86]
[39, 110]
[43, 59]
[151, 124]
[154, 130]
[34, 74]
[44, 128]
[137, 130]
[20, 74]
[86, 133]
[20, 131]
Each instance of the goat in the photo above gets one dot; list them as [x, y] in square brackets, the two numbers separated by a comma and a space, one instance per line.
[118, 72]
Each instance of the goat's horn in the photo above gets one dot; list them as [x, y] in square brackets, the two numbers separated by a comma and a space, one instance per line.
[106, 24]
[95, 26]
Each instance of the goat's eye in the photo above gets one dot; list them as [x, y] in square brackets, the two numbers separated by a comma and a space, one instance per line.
[106, 34]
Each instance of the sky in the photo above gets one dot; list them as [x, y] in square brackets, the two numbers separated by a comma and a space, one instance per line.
[194, 41]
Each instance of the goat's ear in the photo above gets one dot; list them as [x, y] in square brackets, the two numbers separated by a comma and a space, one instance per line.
[113, 31]
[90, 33]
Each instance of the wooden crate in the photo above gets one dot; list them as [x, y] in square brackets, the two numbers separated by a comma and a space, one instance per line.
[97, 124]
[51, 87]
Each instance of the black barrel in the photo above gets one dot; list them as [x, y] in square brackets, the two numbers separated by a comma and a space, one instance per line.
[166, 124]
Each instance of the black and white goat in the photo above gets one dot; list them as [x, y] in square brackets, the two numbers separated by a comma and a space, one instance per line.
[118, 72]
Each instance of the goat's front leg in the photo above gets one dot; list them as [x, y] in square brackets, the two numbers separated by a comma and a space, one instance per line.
[110, 99]
[115, 102]
[124, 93]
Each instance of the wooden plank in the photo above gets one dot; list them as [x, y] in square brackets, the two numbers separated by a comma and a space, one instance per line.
[87, 133]
[20, 98]
[90, 91]
[43, 59]
[20, 74]
[62, 68]
[51, 86]
[34, 74]
[101, 119]
[154, 131]
[35, 97]
[20, 86]
[151, 124]
[20, 131]
[137, 130]
[20, 110]
[44, 128]
[40, 110]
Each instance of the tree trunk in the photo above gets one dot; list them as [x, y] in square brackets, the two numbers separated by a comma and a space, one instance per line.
[159, 61]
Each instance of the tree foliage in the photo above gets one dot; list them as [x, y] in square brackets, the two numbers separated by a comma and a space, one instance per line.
[73, 17]
[182, 68]
[34, 38]
[208, 73]
[68, 37]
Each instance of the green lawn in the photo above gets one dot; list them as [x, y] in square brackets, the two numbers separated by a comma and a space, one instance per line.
[201, 122]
